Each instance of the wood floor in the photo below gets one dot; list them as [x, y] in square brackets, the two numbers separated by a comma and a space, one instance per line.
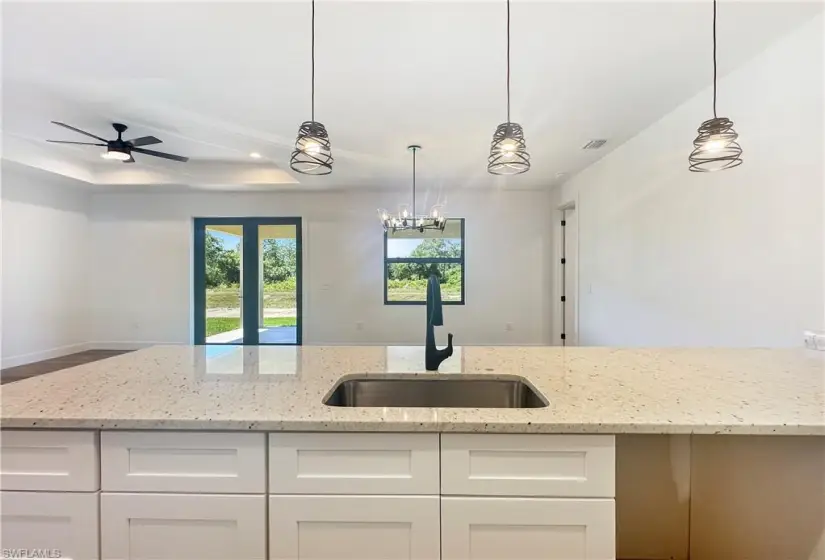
[17, 373]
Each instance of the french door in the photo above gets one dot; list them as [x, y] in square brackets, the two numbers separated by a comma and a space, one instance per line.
[247, 281]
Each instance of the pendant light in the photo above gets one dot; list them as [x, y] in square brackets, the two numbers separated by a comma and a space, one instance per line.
[406, 219]
[715, 148]
[312, 154]
[508, 150]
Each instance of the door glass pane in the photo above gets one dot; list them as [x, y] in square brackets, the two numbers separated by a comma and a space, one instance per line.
[277, 304]
[224, 276]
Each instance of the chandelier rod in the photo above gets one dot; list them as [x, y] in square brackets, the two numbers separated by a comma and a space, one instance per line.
[413, 204]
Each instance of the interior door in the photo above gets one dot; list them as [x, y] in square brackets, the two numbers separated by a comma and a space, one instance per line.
[247, 281]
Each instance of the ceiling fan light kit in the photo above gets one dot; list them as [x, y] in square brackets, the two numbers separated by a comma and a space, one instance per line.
[716, 147]
[313, 152]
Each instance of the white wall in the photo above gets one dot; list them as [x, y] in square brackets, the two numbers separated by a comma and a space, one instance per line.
[44, 258]
[142, 247]
[733, 258]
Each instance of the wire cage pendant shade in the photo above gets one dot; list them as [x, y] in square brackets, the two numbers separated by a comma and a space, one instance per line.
[716, 147]
[508, 150]
[313, 153]
[406, 218]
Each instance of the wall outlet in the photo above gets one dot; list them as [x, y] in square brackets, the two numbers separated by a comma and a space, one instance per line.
[814, 341]
[508, 327]
[359, 326]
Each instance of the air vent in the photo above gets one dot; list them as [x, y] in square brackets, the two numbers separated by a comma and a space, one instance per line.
[594, 145]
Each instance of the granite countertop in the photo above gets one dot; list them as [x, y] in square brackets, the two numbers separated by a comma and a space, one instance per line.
[590, 390]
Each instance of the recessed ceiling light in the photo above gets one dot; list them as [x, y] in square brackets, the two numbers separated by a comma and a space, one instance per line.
[255, 155]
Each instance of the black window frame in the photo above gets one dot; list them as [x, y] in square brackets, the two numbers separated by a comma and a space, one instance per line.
[430, 260]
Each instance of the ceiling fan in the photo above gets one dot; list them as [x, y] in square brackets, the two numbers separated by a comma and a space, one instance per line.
[120, 149]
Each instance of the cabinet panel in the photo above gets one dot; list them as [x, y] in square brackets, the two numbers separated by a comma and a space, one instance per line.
[528, 465]
[49, 460]
[233, 463]
[527, 528]
[353, 463]
[354, 528]
[61, 524]
[182, 527]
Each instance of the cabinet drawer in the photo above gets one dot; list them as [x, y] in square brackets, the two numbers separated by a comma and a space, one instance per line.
[50, 521]
[528, 465]
[182, 527]
[353, 463]
[50, 460]
[354, 527]
[216, 463]
[510, 528]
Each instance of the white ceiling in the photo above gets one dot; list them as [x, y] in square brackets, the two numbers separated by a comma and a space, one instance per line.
[216, 81]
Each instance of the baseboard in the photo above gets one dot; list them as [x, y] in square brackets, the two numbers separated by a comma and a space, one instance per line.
[60, 351]
[126, 345]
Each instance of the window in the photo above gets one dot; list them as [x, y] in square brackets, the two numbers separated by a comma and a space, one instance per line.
[410, 257]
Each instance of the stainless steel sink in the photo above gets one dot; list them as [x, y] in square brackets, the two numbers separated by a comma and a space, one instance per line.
[438, 391]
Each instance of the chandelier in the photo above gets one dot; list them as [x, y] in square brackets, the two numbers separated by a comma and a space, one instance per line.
[406, 219]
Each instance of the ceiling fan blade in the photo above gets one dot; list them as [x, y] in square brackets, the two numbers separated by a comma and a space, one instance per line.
[80, 131]
[144, 141]
[160, 154]
[66, 142]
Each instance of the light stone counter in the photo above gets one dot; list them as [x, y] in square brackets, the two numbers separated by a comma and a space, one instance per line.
[590, 390]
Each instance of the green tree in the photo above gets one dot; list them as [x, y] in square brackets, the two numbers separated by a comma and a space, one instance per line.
[279, 258]
[223, 266]
[447, 273]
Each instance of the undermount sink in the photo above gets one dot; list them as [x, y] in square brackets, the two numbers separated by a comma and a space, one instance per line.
[436, 391]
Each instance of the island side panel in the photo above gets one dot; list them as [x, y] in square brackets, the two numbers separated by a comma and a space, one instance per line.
[758, 498]
[652, 496]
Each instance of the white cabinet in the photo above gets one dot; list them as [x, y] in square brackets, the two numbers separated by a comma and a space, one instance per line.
[211, 463]
[527, 528]
[49, 460]
[182, 527]
[61, 524]
[546, 465]
[354, 528]
[333, 463]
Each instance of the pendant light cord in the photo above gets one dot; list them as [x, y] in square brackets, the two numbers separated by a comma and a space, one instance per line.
[508, 60]
[714, 59]
[313, 60]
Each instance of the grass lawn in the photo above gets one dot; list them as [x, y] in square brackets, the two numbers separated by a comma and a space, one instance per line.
[217, 325]
[230, 298]
[448, 293]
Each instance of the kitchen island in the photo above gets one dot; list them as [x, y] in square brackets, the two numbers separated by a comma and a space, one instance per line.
[147, 447]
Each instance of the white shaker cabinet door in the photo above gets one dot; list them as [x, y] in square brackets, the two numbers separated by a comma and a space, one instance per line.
[354, 528]
[49, 524]
[182, 527]
[527, 529]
